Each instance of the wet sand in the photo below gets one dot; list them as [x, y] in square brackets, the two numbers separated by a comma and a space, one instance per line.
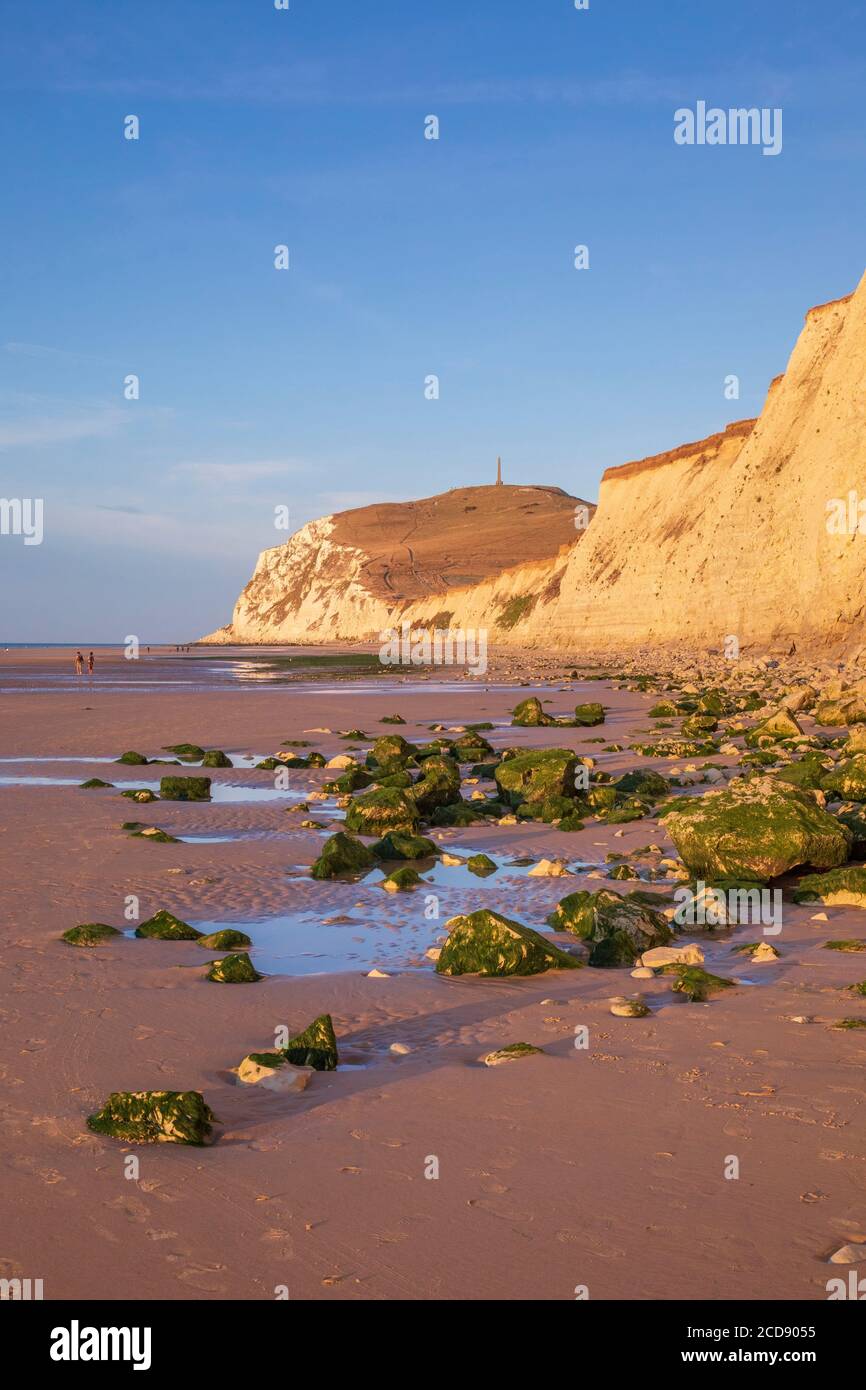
[601, 1167]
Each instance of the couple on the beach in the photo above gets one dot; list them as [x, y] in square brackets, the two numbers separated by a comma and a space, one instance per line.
[79, 664]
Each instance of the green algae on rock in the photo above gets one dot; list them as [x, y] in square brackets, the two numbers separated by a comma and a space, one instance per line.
[779, 726]
[848, 779]
[316, 1047]
[164, 926]
[383, 810]
[342, 854]
[481, 864]
[486, 943]
[185, 788]
[529, 714]
[190, 752]
[132, 759]
[850, 947]
[512, 1052]
[139, 831]
[439, 786]
[215, 757]
[401, 880]
[226, 939]
[155, 1117]
[533, 777]
[397, 846]
[233, 970]
[92, 783]
[845, 887]
[90, 934]
[618, 927]
[755, 830]
[852, 814]
[587, 716]
[696, 984]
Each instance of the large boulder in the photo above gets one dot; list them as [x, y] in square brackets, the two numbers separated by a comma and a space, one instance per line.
[773, 730]
[440, 785]
[534, 777]
[619, 928]
[90, 934]
[389, 749]
[185, 788]
[588, 715]
[154, 1117]
[164, 926]
[485, 943]
[848, 779]
[755, 830]
[342, 854]
[397, 846]
[845, 887]
[530, 715]
[316, 1047]
[381, 811]
[233, 970]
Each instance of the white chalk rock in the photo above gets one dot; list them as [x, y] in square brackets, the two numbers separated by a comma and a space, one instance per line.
[548, 868]
[673, 955]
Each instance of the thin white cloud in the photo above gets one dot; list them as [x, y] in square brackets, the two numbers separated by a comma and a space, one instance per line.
[59, 429]
[239, 472]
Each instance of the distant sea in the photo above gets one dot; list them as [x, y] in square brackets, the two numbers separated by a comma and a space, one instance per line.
[92, 646]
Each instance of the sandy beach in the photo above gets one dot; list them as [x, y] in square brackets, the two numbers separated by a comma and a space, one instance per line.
[601, 1167]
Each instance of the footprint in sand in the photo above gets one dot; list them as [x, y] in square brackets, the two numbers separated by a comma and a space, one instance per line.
[207, 1277]
[132, 1207]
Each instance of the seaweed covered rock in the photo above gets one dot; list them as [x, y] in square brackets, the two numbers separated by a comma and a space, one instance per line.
[845, 887]
[852, 814]
[589, 715]
[485, 943]
[779, 726]
[847, 779]
[471, 747]
[807, 773]
[534, 777]
[755, 830]
[388, 749]
[481, 864]
[381, 811]
[512, 1052]
[352, 780]
[132, 759]
[184, 788]
[530, 715]
[164, 926]
[233, 970]
[648, 785]
[142, 796]
[402, 880]
[618, 928]
[90, 934]
[439, 786]
[226, 939]
[342, 854]
[189, 752]
[139, 831]
[93, 782]
[316, 1047]
[399, 846]
[154, 1117]
[215, 757]
[848, 707]
[695, 983]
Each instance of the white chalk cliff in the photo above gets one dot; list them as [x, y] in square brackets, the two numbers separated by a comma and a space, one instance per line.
[735, 535]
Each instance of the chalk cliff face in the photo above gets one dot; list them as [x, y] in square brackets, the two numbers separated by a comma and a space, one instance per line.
[351, 575]
[728, 536]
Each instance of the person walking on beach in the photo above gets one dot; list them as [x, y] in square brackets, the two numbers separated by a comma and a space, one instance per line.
[79, 664]
[90, 665]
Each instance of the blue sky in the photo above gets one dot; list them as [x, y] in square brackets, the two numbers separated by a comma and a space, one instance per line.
[409, 257]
